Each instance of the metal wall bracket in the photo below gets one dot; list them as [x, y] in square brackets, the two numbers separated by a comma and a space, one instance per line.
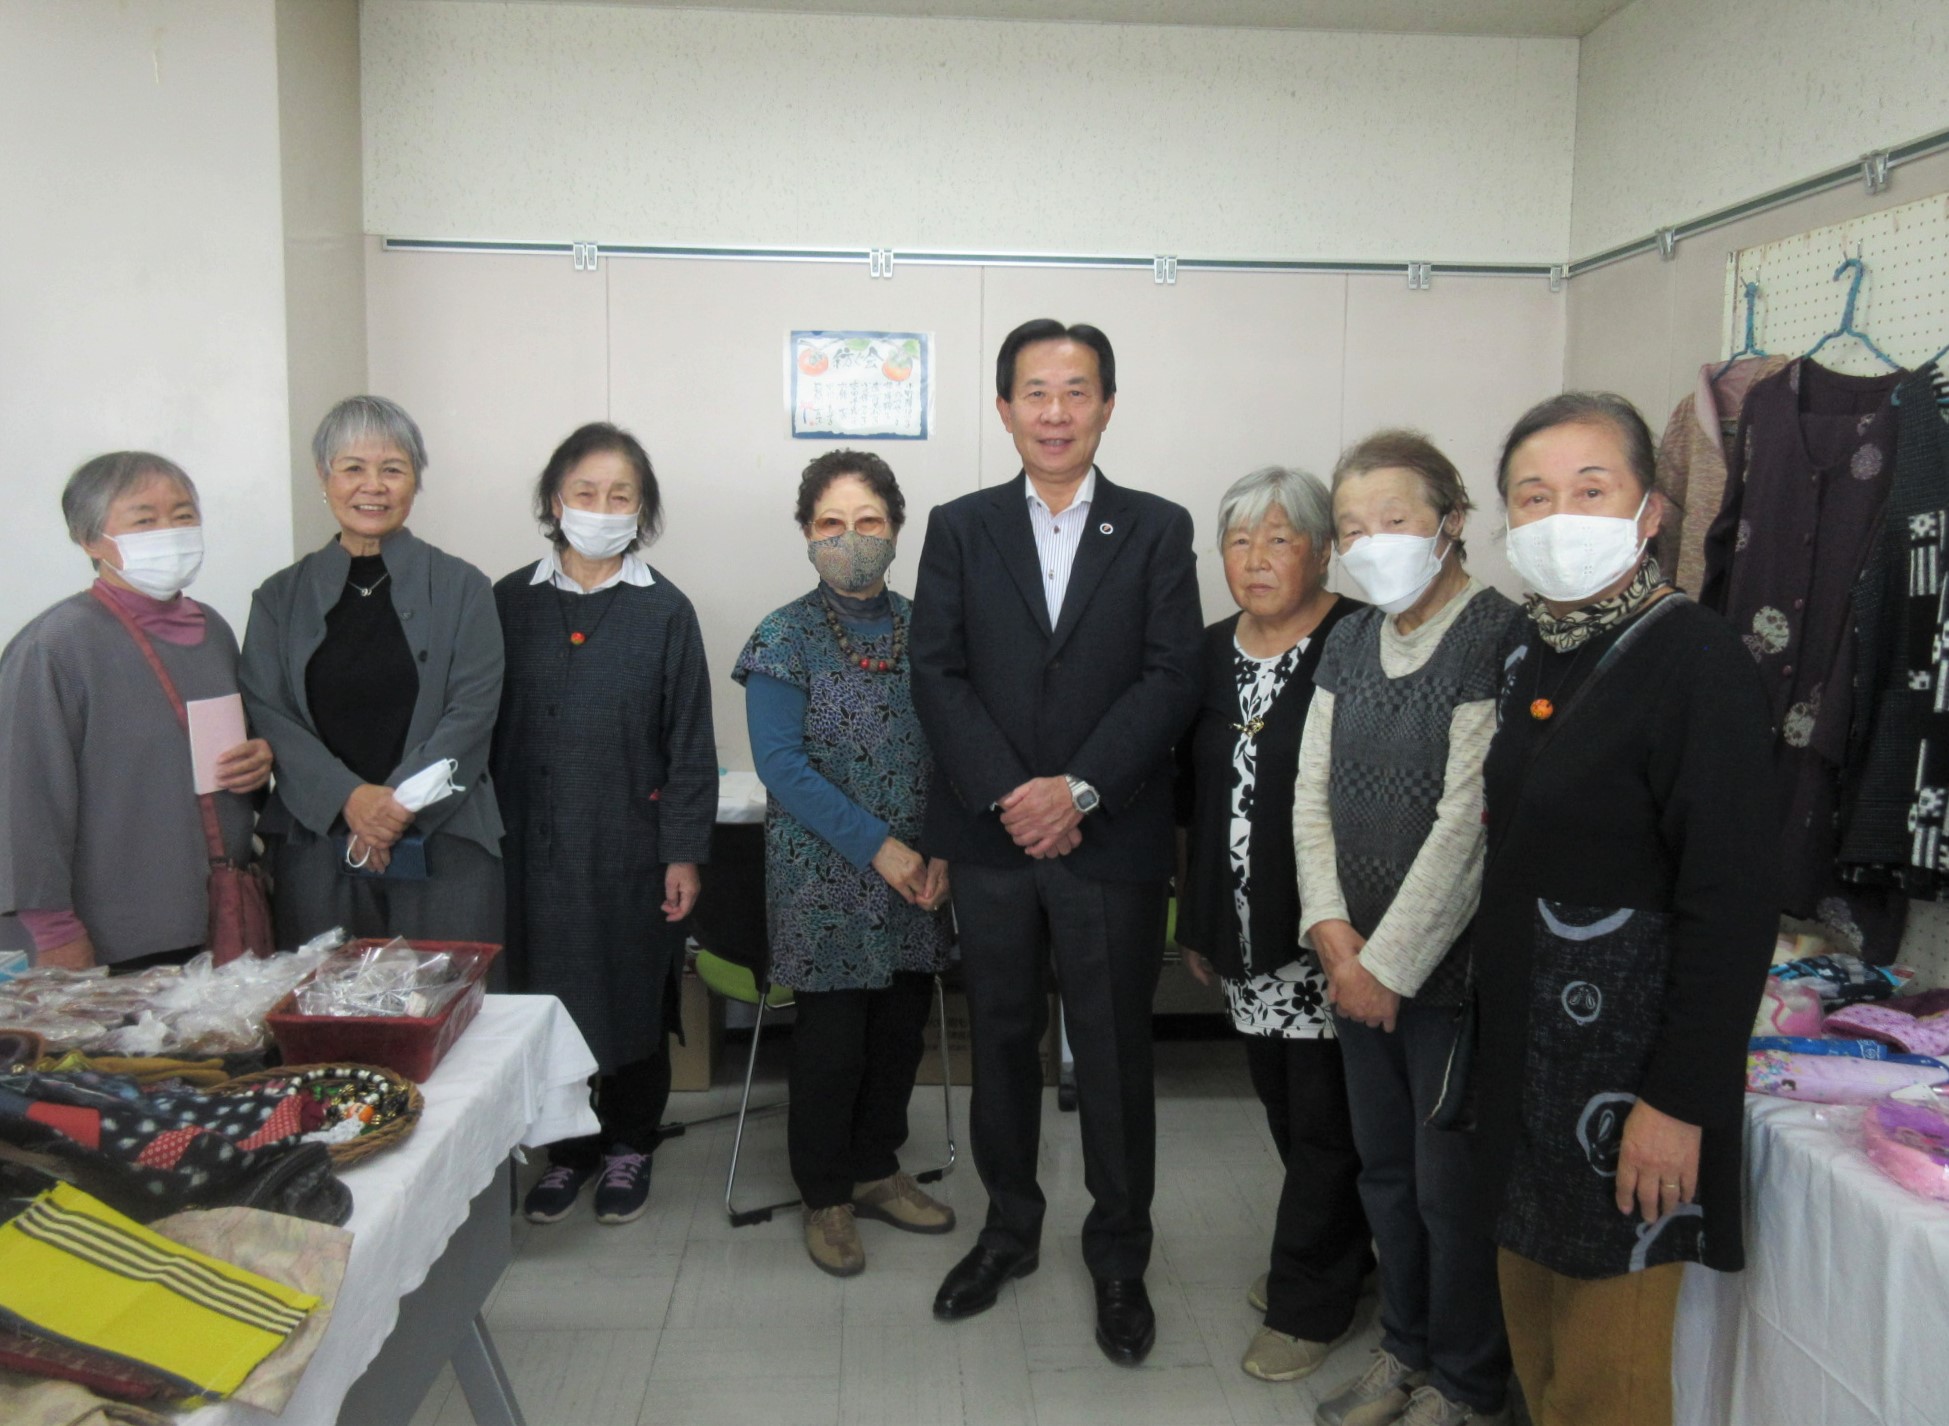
[1420, 276]
[1164, 270]
[1874, 171]
[1667, 243]
[879, 262]
[587, 255]
[1557, 275]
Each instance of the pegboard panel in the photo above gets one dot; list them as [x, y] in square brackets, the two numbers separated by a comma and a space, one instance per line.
[1925, 942]
[1904, 301]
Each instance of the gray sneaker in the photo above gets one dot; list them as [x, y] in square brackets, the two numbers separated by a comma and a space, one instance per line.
[1428, 1407]
[1376, 1397]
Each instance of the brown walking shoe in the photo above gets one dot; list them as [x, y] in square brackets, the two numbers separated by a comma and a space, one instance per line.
[832, 1240]
[898, 1200]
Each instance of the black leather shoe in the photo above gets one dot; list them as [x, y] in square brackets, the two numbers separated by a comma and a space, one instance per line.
[973, 1284]
[1125, 1326]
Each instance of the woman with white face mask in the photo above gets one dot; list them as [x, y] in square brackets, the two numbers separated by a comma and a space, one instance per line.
[1387, 830]
[103, 852]
[854, 906]
[606, 768]
[1630, 904]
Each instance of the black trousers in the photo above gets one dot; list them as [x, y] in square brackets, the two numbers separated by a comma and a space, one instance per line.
[854, 1056]
[460, 900]
[1441, 1304]
[1107, 942]
[1320, 1244]
[629, 1102]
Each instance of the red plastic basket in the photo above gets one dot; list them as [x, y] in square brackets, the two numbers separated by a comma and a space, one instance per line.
[412, 1045]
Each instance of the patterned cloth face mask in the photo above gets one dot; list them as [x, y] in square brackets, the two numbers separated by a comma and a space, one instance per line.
[851, 562]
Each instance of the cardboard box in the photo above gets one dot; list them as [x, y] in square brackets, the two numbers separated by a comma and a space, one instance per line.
[960, 1068]
[693, 1061]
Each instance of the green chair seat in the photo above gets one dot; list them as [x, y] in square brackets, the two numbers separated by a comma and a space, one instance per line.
[736, 982]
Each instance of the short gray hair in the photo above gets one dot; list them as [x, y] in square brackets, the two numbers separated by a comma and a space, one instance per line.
[1308, 508]
[99, 483]
[357, 417]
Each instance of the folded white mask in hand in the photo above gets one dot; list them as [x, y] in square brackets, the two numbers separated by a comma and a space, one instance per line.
[429, 785]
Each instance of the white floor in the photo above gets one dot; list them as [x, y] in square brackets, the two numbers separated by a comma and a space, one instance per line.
[681, 1320]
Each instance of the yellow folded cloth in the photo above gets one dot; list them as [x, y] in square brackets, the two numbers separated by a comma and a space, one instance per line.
[74, 1269]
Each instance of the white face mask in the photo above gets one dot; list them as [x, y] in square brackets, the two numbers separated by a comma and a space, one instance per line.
[597, 537]
[161, 563]
[1393, 570]
[1568, 558]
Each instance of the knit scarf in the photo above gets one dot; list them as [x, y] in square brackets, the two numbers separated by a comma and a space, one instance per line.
[1564, 632]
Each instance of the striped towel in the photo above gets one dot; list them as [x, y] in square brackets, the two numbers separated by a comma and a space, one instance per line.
[74, 1270]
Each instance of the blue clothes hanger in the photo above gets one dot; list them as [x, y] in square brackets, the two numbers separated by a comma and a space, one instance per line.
[1847, 327]
[1749, 347]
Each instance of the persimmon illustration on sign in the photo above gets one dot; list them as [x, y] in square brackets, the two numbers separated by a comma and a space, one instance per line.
[863, 385]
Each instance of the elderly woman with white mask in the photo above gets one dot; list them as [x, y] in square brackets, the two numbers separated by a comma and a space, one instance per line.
[853, 904]
[1387, 825]
[104, 852]
[606, 767]
[1630, 900]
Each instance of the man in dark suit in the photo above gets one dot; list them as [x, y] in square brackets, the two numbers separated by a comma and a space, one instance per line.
[1056, 641]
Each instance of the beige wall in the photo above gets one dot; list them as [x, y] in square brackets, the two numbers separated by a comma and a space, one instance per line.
[499, 357]
[142, 293]
[324, 235]
[1688, 106]
[630, 124]
[1642, 327]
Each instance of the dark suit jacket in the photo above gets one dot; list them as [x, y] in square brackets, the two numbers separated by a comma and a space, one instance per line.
[1103, 696]
[1207, 918]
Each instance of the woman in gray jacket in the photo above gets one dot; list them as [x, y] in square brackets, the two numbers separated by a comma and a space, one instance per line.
[366, 664]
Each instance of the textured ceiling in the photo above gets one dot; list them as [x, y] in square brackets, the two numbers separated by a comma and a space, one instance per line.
[1563, 18]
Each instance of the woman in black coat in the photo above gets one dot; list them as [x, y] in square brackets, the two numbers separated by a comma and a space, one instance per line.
[1628, 914]
[1238, 901]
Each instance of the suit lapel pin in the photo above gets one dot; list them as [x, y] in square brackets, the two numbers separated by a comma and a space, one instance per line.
[1107, 528]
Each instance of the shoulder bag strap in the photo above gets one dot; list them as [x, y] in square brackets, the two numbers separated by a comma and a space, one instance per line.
[212, 831]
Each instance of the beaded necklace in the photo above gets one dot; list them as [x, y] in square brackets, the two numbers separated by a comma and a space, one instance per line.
[871, 665]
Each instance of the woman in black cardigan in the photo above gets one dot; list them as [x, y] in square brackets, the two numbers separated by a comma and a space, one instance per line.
[1238, 901]
[1628, 914]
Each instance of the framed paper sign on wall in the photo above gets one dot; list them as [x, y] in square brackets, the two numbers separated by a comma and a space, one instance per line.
[865, 385]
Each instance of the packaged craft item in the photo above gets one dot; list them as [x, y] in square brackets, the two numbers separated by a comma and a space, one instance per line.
[1906, 1136]
[1835, 1071]
[1892, 1023]
[191, 1010]
[393, 979]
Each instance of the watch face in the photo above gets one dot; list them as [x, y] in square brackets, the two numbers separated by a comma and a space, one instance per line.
[1086, 799]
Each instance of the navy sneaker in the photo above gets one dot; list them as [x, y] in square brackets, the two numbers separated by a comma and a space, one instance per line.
[624, 1189]
[554, 1193]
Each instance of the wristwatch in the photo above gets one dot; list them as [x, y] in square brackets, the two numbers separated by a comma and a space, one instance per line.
[1082, 794]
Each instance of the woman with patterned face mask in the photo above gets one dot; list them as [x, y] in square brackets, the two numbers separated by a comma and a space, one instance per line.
[104, 853]
[1387, 829]
[606, 767]
[854, 909]
[1629, 902]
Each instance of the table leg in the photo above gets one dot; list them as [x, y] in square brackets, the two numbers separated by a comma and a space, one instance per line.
[489, 1394]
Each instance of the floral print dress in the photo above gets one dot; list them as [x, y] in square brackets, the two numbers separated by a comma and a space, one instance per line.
[834, 926]
[1291, 1000]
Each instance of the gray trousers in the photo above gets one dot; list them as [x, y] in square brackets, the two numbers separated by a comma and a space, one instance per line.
[462, 898]
[1441, 1307]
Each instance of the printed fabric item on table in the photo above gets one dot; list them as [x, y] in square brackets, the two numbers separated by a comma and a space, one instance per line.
[74, 1270]
[1906, 1136]
[148, 1154]
[1835, 1071]
[1842, 979]
[1890, 1024]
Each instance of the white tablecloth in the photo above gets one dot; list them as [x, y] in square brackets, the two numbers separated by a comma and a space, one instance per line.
[1842, 1315]
[740, 798]
[517, 1076]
